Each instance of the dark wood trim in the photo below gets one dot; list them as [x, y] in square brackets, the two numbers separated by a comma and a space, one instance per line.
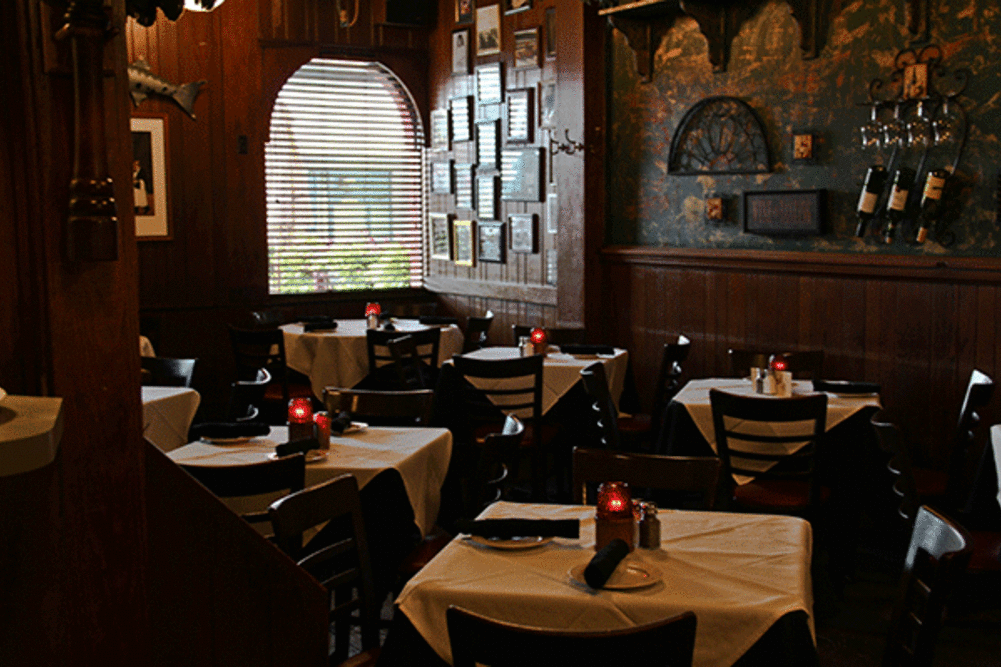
[982, 270]
[540, 294]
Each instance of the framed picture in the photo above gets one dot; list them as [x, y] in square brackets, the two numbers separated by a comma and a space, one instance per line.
[489, 84]
[515, 6]
[488, 144]
[463, 252]
[462, 116]
[491, 245]
[464, 186]
[486, 196]
[441, 236]
[519, 115]
[526, 48]
[552, 213]
[552, 267]
[523, 236]
[804, 147]
[488, 33]
[463, 11]
[441, 178]
[547, 104]
[439, 129]
[521, 174]
[785, 212]
[550, 33]
[460, 52]
[149, 177]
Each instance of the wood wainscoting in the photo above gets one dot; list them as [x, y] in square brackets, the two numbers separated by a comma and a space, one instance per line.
[916, 325]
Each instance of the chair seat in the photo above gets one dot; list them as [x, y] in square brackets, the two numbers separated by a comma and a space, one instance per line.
[547, 433]
[777, 494]
[635, 424]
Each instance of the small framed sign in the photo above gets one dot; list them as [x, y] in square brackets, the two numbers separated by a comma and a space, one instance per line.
[526, 48]
[441, 236]
[804, 147]
[488, 32]
[491, 244]
[488, 144]
[441, 178]
[785, 212]
[551, 267]
[550, 33]
[523, 232]
[464, 251]
[519, 115]
[439, 129]
[552, 213]
[463, 11]
[464, 186]
[547, 104]
[462, 118]
[149, 177]
[489, 84]
[521, 174]
[486, 196]
[460, 52]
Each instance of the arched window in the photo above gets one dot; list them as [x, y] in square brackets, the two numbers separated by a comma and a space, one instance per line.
[344, 178]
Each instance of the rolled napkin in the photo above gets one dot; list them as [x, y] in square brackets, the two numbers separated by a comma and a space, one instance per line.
[319, 324]
[604, 562]
[316, 318]
[576, 348]
[226, 430]
[438, 319]
[297, 446]
[389, 326]
[505, 529]
[339, 423]
[846, 387]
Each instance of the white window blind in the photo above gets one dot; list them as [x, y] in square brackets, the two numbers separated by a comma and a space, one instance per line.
[344, 171]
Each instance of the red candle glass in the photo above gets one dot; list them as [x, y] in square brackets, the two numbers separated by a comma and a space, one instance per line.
[614, 515]
[373, 308]
[538, 338]
[778, 363]
[322, 421]
[300, 419]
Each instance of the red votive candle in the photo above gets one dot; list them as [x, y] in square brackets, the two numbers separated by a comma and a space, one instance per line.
[322, 421]
[538, 338]
[614, 515]
[372, 312]
[778, 363]
[300, 419]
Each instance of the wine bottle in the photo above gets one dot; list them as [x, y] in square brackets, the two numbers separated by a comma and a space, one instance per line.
[896, 207]
[875, 180]
[931, 200]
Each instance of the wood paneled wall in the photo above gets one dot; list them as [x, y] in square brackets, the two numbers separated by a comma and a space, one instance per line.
[918, 327]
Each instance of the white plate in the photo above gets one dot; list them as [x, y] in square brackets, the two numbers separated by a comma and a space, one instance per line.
[227, 441]
[626, 576]
[312, 456]
[513, 543]
[353, 427]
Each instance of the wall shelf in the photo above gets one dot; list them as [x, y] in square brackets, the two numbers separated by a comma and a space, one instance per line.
[30, 430]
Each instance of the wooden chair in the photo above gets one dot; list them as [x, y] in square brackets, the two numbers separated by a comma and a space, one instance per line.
[495, 459]
[286, 474]
[254, 349]
[343, 566]
[936, 558]
[411, 372]
[979, 391]
[802, 363]
[677, 474]
[269, 318]
[477, 329]
[246, 395]
[555, 335]
[646, 426]
[382, 408]
[477, 639]
[516, 384]
[384, 370]
[603, 410]
[789, 484]
[165, 372]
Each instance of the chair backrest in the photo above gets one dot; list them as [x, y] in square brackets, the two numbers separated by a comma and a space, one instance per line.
[477, 328]
[426, 343]
[937, 556]
[272, 475]
[166, 372]
[245, 397]
[674, 354]
[979, 390]
[802, 363]
[555, 335]
[268, 318]
[497, 456]
[254, 349]
[748, 442]
[410, 370]
[603, 410]
[900, 465]
[515, 384]
[412, 407]
[681, 474]
[339, 560]
[478, 639]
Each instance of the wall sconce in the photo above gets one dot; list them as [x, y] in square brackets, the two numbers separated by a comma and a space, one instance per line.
[570, 147]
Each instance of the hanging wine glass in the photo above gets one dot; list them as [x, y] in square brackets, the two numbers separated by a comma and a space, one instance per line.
[872, 130]
[895, 131]
[945, 125]
[918, 129]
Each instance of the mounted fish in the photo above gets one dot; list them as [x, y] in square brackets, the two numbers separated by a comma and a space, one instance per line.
[142, 82]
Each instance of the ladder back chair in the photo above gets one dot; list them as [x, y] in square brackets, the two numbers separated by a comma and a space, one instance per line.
[412, 407]
[647, 426]
[167, 372]
[421, 353]
[477, 329]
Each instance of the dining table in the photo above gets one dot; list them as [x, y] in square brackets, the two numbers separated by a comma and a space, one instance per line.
[167, 415]
[745, 576]
[338, 357]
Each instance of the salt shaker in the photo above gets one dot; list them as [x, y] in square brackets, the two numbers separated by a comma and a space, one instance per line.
[525, 346]
[649, 526]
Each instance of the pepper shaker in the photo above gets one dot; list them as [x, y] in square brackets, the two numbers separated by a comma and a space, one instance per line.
[649, 526]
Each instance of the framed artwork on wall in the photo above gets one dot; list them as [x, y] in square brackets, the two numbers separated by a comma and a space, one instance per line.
[149, 177]
[439, 129]
[547, 104]
[488, 143]
[526, 48]
[464, 251]
[463, 12]
[464, 186]
[489, 84]
[523, 232]
[491, 244]
[488, 32]
[519, 115]
[486, 196]
[550, 33]
[521, 174]
[552, 267]
[515, 6]
[441, 178]
[462, 117]
[441, 236]
[552, 213]
[460, 51]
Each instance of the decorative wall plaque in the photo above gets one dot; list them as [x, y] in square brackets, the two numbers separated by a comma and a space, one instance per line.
[489, 84]
[486, 196]
[488, 32]
[523, 232]
[526, 48]
[521, 174]
[784, 212]
[547, 104]
[551, 266]
[439, 129]
[462, 235]
[519, 115]
[441, 178]
[441, 236]
[552, 213]
[719, 135]
[491, 245]
[464, 186]
[488, 144]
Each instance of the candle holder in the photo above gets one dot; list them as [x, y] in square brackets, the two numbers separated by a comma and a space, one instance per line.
[322, 421]
[372, 312]
[300, 419]
[539, 340]
[613, 516]
[779, 376]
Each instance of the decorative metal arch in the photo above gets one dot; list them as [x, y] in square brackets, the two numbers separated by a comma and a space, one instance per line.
[719, 135]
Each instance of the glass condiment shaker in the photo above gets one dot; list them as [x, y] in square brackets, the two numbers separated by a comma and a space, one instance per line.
[525, 346]
[649, 527]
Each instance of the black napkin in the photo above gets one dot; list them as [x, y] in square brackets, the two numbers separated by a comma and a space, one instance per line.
[302, 445]
[437, 319]
[389, 326]
[316, 318]
[846, 387]
[505, 529]
[222, 430]
[576, 348]
[604, 563]
[319, 323]
[339, 423]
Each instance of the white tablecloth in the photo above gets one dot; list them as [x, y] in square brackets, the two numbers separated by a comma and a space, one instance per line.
[421, 456]
[145, 347]
[167, 415]
[560, 371]
[739, 573]
[339, 358]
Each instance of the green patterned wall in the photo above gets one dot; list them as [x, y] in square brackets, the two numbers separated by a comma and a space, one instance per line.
[649, 206]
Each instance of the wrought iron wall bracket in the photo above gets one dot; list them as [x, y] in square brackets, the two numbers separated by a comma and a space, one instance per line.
[570, 147]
